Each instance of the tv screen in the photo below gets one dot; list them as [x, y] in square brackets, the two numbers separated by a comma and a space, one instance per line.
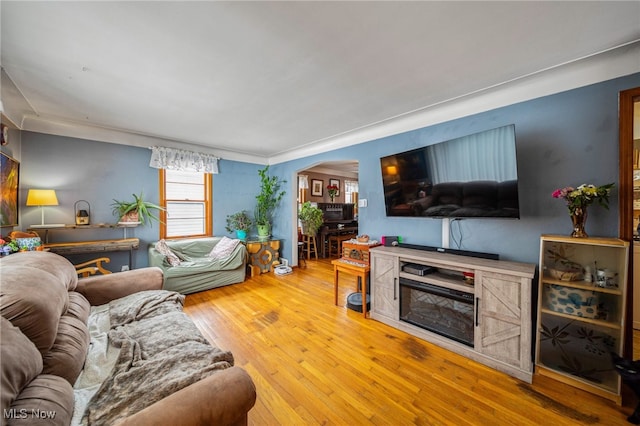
[474, 176]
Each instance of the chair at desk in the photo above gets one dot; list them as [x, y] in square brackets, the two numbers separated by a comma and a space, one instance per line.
[85, 269]
[335, 243]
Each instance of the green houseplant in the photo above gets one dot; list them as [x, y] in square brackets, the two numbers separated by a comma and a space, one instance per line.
[267, 200]
[137, 210]
[311, 218]
[239, 222]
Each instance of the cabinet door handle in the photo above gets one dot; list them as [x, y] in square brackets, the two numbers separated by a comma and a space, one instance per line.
[477, 310]
[395, 287]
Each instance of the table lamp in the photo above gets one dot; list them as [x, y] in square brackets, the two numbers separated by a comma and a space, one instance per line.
[43, 197]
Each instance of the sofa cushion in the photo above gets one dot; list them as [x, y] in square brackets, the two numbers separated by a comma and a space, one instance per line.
[224, 248]
[66, 356]
[47, 400]
[169, 255]
[79, 307]
[21, 362]
[34, 301]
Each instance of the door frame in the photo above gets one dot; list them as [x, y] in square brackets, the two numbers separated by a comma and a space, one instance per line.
[625, 199]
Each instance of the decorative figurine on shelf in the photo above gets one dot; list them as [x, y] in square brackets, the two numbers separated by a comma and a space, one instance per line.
[82, 216]
[578, 199]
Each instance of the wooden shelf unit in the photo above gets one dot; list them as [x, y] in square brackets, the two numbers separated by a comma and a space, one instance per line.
[572, 343]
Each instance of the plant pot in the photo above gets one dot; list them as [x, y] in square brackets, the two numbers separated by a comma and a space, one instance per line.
[130, 217]
[307, 229]
[241, 234]
[263, 230]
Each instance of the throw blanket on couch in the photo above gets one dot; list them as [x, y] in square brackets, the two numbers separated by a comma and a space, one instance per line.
[161, 352]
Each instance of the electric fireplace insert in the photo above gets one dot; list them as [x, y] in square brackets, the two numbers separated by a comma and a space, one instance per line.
[441, 310]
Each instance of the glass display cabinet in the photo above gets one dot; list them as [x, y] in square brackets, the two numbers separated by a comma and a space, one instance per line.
[581, 311]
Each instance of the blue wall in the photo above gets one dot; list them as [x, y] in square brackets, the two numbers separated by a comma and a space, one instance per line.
[101, 172]
[565, 139]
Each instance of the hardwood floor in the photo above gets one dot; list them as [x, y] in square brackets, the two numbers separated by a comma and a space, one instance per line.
[316, 363]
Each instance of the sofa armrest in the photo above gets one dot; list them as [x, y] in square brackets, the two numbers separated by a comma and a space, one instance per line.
[101, 289]
[222, 399]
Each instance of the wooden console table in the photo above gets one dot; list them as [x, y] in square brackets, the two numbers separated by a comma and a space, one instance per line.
[99, 246]
[46, 230]
[360, 271]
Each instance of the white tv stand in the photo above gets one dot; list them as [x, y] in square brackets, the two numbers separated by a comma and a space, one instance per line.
[501, 294]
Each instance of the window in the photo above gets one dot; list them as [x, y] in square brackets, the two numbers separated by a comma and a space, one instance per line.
[351, 194]
[350, 191]
[187, 197]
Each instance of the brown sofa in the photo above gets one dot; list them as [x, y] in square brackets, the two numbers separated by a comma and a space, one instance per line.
[49, 320]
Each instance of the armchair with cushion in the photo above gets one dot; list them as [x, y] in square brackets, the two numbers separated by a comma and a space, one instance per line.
[108, 349]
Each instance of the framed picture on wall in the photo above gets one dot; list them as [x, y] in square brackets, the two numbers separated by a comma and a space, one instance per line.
[9, 174]
[316, 187]
[335, 182]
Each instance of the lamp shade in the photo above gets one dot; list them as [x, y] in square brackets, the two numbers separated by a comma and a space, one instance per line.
[42, 197]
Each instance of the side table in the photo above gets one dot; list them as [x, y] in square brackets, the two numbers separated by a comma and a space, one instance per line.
[263, 254]
[360, 271]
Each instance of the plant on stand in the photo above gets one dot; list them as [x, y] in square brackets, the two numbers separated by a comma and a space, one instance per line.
[267, 201]
[136, 211]
[311, 218]
[239, 222]
[578, 199]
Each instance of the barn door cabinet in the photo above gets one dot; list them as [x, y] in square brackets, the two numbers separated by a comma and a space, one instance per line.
[497, 328]
[581, 311]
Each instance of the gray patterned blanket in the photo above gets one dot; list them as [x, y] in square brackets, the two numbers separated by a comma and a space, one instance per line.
[161, 352]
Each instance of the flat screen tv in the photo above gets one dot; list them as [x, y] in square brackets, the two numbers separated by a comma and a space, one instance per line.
[474, 176]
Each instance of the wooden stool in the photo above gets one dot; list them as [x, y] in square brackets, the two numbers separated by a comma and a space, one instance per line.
[309, 246]
[362, 274]
[335, 242]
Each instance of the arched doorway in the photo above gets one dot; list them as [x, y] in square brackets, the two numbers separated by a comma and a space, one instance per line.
[312, 182]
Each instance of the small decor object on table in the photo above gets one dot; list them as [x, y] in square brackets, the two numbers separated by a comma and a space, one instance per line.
[239, 222]
[135, 212]
[578, 199]
[267, 201]
[333, 191]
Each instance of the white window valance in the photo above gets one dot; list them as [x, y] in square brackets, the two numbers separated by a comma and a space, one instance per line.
[180, 159]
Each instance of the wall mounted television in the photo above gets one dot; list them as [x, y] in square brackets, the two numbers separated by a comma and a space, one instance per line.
[474, 176]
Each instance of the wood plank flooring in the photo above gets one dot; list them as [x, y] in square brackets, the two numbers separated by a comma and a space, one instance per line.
[314, 363]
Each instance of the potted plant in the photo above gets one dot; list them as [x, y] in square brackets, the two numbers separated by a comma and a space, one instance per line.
[311, 218]
[136, 211]
[267, 200]
[239, 222]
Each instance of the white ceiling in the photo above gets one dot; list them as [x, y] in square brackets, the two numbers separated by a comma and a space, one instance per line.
[268, 80]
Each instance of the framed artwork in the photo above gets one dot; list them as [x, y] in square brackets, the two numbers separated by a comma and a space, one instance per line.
[335, 182]
[9, 175]
[316, 187]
